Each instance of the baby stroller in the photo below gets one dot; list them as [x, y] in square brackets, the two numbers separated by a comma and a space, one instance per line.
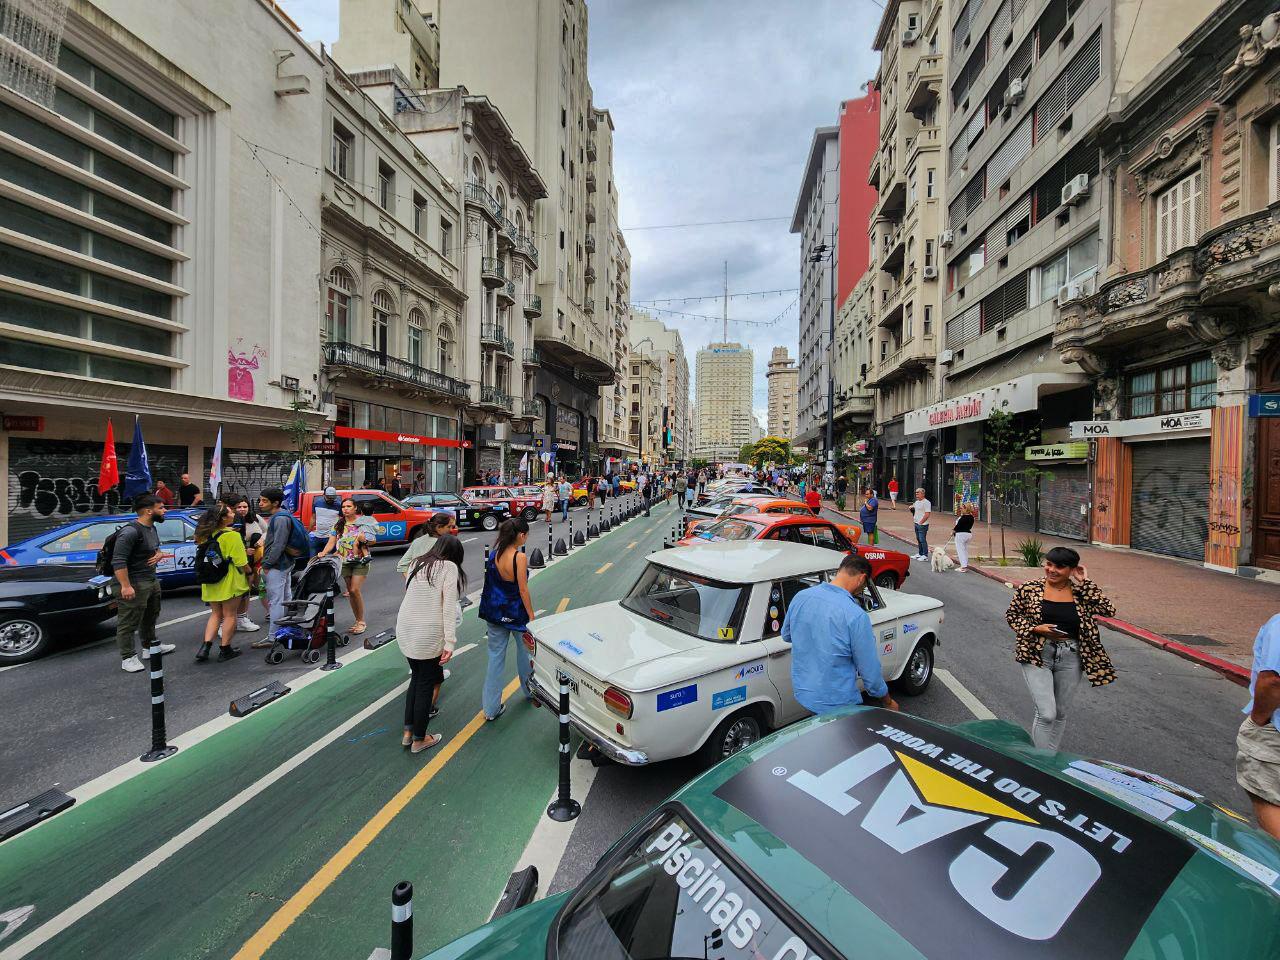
[305, 624]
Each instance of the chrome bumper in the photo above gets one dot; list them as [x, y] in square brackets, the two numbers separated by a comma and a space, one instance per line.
[614, 751]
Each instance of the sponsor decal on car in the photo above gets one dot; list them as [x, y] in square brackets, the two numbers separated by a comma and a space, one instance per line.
[390, 530]
[571, 647]
[888, 648]
[872, 555]
[888, 634]
[680, 697]
[596, 637]
[749, 670]
[725, 633]
[909, 628]
[727, 698]
[902, 813]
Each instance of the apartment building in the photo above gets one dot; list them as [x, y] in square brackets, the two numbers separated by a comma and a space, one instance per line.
[646, 397]
[816, 218]
[535, 68]
[906, 290]
[855, 336]
[1179, 328]
[783, 381]
[609, 296]
[1026, 84]
[487, 229]
[391, 33]
[724, 385]
[668, 347]
[158, 203]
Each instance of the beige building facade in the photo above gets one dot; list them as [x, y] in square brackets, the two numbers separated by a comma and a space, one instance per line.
[667, 347]
[784, 387]
[723, 414]
[855, 338]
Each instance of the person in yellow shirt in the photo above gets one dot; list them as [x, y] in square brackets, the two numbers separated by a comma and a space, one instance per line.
[223, 596]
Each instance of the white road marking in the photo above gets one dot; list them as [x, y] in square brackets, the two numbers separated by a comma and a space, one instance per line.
[538, 613]
[121, 881]
[964, 695]
[189, 616]
[550, 839]
[470, 539]
[103, 642]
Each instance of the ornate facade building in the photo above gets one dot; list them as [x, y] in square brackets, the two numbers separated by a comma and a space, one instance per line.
[1181, 333]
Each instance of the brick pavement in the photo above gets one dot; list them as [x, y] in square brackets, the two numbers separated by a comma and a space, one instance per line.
[1207, 612]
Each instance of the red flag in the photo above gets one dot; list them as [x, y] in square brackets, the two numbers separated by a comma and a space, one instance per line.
[109, 472]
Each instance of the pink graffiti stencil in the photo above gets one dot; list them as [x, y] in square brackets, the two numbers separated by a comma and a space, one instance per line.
[240, 369]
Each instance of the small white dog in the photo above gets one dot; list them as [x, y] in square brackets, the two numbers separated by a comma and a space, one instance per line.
[939, 561]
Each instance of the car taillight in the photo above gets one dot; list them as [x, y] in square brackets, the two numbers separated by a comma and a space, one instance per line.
[530, 643]
[618, 702]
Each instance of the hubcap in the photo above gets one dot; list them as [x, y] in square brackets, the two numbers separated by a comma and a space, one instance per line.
[919, 666]
[741, 734]
[18, 637]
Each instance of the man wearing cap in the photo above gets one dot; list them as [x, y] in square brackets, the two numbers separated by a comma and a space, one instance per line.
[326, 511]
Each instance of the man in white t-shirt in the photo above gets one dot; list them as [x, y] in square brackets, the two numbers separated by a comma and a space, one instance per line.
[325, 513]
[920, 510]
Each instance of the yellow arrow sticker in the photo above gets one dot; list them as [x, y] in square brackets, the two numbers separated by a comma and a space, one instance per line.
[943, 790]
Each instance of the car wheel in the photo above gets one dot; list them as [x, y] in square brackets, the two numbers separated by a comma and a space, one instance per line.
[733, 734]
[22, 638]
[530, 514]
[888, 579]
[918, 671]
[489, 522]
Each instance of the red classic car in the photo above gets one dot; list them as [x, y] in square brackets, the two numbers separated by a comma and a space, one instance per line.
[889, 568]
[521, 503]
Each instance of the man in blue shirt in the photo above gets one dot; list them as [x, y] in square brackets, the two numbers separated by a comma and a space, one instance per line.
[1258, 742]
[832, 643]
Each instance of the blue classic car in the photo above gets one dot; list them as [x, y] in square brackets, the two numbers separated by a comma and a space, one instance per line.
[79, 542]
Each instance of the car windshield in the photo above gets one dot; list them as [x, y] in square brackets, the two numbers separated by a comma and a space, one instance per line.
[730, 528]
[670, 896]
[688, 603]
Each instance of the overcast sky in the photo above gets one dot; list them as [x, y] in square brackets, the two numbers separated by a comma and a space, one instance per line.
[714, 104]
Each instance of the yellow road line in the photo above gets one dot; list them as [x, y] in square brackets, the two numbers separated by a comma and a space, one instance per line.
[605, 567]
[632, 544]
[282, 919]
[562, 605]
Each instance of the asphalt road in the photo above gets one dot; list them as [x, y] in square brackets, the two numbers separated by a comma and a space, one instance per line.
[74, 715]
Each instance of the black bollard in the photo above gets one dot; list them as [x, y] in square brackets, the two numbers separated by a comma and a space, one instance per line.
[560, 549]
[486, 555]
[402, 921]
[331, 634]
[571, 543]
[564, 807]
[535, 559]
[550, 551]
[579, 539]
[160, 747]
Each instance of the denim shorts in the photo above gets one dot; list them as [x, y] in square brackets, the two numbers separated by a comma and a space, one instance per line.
[357, 568]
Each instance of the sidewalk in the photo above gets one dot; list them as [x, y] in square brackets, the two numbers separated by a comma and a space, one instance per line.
[1200, 614]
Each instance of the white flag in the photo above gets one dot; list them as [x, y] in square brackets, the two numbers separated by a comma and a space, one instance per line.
[215, 468]
[524, 463]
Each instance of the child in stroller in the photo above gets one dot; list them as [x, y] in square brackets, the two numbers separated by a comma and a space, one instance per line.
[305, 623]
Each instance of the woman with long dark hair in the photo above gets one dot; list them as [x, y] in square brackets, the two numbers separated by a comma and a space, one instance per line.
[427, 629]
[506, 609]
[214, 532]
[353, 534]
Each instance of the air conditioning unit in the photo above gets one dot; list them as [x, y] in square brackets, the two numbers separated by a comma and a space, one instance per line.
[1016, 91]
[909, 37]
[1076, 189]
[946, 356]
[946, 238]
[929, 273]
[1077, 289]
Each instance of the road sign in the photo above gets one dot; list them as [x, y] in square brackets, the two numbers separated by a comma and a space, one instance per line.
[1264, 405]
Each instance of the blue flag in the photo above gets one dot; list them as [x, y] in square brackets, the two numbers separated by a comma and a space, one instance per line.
[137, 475]
[293, 488]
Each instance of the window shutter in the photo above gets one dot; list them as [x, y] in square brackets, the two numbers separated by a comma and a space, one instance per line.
[1066, 91]
[1010, 153]
[998, 32]
[963, 327]
[1023, 57]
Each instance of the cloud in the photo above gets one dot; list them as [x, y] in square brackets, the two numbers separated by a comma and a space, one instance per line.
[714, 104]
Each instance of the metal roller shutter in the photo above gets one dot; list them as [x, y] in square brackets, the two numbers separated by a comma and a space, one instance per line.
[1061, 498]
[1170, 500]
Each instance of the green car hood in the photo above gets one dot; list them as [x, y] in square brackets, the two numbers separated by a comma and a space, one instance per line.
[520, 935]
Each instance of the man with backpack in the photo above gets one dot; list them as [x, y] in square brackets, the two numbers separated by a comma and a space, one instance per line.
[286, 540]
[133, 552]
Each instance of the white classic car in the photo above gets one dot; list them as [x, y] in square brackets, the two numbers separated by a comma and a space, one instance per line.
[693, 658]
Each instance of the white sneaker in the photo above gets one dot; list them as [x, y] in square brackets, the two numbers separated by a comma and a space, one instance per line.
[165, 649]
[245, 625]
[132, 665]
[447, 673]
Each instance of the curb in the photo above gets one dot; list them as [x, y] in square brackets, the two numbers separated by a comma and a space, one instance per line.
[1231, 671]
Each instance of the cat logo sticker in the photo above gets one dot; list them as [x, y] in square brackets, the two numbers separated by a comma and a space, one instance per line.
[1013, 860]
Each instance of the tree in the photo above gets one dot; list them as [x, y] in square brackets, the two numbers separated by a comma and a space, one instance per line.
[747, 453]
[771, 450]
[1003, 446]
[299, 431]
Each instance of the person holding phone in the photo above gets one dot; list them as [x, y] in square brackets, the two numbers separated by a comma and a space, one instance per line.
[1057, 640]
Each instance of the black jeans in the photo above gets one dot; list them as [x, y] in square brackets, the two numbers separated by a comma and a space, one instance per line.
[426, 674]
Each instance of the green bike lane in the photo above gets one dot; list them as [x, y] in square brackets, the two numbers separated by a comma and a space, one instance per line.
[206, 854]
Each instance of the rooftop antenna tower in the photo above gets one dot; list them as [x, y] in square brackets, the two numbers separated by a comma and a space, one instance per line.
[725, 313]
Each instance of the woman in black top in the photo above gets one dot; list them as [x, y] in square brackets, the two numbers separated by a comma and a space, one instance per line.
[963, 533]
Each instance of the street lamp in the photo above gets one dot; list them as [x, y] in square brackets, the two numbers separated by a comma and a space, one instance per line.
[820, 253]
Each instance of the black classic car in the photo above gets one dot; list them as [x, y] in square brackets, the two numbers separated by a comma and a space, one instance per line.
[470, 513]
[38, 602]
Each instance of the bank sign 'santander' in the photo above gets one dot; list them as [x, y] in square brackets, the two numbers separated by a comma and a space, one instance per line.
[1053, 870]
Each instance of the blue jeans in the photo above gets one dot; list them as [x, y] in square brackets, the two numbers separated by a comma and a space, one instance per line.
[279, 589]
[498, 637]
[922, 538]
[564, 509]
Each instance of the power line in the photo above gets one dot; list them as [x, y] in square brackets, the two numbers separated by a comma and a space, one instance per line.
[714, 296]
[700, 223]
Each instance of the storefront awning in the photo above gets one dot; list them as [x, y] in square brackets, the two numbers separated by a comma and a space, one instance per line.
[1012, 396]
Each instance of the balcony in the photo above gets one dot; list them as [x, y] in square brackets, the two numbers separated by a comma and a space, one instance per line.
[591, 182]
[924, 85]
[589, 306]
[558, 348]
[531, 408]
[495, 399]
[525, 247]
[532, 358]
[533, 306]
[507, 233]
[873, 173]
[477, 196]
[894, 246]
[890, 312]
[589, 274]
[1194, 296]
[507, 294]
[492, 273]
[590, 243]
[916, 355]
[592, 119]
[590, 211]
[492, 335]
[381, 370]
[923, 139]
[591, 148]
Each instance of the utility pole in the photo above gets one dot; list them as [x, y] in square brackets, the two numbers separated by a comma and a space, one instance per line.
[829, 476]
[725, 312]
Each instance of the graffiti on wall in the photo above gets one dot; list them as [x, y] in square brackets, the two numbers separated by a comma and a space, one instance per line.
[1171, 504]
[966, 486]
[1224, 501]
[1061, 497]
[250, 471]
[242, 364]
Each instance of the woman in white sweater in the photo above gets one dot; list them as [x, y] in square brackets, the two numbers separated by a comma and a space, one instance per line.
[426, 630]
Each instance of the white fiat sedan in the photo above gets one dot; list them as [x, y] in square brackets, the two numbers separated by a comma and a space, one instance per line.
[692, 659]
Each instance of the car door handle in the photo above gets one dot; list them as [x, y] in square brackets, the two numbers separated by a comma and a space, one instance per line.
[779, 653]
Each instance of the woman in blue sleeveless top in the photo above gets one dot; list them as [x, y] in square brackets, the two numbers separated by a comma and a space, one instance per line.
[506, 609]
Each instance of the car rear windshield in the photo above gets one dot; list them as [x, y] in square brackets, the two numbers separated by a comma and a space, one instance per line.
[730, 528]
[691, 604]
[670, 896]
